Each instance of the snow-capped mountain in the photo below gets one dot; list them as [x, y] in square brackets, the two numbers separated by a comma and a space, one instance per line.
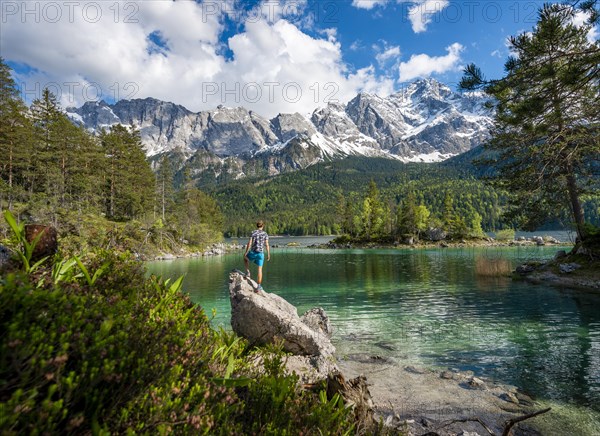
[424, 122]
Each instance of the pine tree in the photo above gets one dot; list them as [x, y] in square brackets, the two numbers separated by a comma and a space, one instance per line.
[448, 216]
[129, 181]
[546, 138]
[412, 219]
[421, 219]
[15, 137]
[45, 115]
[372, 217]
[164, 186]
[407, 224]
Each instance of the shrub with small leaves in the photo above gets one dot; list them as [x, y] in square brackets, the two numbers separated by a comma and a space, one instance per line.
[92, 345]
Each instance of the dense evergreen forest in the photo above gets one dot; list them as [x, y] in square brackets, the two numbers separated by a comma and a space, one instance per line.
[101, 190]
[96, 190]
[329, 198]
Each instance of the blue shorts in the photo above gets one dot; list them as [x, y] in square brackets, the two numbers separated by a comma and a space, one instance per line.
[257, 257]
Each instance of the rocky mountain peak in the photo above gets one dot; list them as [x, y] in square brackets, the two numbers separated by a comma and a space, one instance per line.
[426, 121]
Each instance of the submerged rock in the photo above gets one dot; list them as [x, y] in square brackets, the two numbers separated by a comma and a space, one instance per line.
[415, 370]
[525, 269]
[476, 383]
[369, 358]
[566, 268]
[509, 397]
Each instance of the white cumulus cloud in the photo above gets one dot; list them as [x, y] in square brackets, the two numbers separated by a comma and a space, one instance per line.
[387, 54]
[423, 65]
[580, 19]
[368, 4]
[421, 13]
[270, 67]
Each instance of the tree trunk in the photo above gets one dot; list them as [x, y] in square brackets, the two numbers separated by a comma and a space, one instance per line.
[112, 190]
[576, 206]
[163, 200]
[10, 176]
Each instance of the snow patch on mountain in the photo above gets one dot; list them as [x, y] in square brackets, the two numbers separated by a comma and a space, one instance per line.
[425, 122]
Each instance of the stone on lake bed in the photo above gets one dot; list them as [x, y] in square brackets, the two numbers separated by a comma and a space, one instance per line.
[414, 369]
[448, 375]
[566, 268]
[476, 383]
[368, 358]
[525, 269]
[509, 397]
[385, 345]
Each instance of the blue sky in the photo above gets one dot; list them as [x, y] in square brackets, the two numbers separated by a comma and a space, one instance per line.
[270, 56]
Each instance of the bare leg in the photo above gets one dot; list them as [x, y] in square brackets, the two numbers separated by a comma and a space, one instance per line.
[259, 278]
[247, 266]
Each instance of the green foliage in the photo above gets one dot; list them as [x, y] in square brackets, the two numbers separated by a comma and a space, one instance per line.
[98, 360]
[372, 215]
[546, 144]
[329, 197]
[25, 254]
[117, 352]
[505, 235]
[57, 173]
[275, 406]
[197, 216]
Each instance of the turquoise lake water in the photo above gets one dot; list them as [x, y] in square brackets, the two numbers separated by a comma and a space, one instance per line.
[440, 308]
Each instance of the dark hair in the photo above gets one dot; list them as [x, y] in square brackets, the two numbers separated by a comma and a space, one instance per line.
[260, 223]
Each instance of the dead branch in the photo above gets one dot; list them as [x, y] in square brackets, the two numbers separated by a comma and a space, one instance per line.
[472, 419]
[509, 423]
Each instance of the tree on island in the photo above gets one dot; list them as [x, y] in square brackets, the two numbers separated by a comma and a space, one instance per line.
[546, 143]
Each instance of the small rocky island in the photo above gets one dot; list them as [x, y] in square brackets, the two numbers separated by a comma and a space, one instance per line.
[405, 398]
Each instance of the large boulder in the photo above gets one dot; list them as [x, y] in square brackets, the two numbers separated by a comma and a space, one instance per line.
[46, 239]
[264, 318]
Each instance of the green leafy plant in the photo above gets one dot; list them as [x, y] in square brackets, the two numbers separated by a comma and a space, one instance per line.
[25, 252]
[61, 270]
[117, 352]
[91, 280]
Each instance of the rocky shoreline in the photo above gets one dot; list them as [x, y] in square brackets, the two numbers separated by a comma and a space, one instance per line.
[417, 400]
[405, 398]
[538, 241]
[578, 269]
[216, 249]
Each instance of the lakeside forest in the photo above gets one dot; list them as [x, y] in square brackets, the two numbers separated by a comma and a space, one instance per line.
[103, 190]
[93, 345]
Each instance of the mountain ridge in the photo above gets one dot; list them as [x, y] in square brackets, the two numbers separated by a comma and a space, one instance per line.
[424, 122]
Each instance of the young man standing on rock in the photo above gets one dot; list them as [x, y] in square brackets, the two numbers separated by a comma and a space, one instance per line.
[259, 240]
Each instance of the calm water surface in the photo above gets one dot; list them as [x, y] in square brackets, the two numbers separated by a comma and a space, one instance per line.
[437, 308]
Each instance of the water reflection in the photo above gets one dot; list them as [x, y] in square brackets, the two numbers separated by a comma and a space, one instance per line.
[450, 308]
